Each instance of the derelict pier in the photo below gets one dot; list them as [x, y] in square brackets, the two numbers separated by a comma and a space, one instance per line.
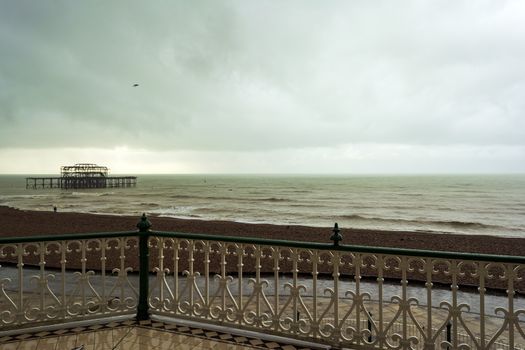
[80, 176]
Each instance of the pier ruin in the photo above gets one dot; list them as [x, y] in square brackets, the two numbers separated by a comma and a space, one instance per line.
[80, 176]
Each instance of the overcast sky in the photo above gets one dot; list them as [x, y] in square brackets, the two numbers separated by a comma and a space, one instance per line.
[263, 86]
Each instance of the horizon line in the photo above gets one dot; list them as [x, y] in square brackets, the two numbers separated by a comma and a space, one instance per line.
[294, 174]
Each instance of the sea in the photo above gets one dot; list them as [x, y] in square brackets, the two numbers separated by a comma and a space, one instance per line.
[465, 204]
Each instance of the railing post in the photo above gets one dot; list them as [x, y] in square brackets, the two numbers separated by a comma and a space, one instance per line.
[142, 308]
[336, 236]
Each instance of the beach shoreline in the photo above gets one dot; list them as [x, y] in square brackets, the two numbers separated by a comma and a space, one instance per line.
[23, 223]
[16, 222]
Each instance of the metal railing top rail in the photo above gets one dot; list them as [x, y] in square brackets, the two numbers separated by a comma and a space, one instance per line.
[66, 237]
[275, 242]
[346, 247]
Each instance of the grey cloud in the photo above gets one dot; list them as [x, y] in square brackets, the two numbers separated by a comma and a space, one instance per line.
[260, 75]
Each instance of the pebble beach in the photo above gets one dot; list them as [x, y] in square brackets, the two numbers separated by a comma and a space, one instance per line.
[16, 223]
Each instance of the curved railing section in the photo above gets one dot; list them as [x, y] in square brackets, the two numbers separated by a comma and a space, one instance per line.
[344, 296]
[340, 295]
[52, 279]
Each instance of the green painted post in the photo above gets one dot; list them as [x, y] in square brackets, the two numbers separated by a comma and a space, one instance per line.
[142, 309]
[336, 236]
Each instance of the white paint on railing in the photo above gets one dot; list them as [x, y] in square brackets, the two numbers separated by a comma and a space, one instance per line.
[338, 312]
[30, 296]
[295, 292]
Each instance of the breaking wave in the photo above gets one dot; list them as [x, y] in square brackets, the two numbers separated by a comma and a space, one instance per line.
[429, 223]
[440, 204]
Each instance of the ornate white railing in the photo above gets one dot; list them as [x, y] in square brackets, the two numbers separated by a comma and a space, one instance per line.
[67, 278]
[343, 296]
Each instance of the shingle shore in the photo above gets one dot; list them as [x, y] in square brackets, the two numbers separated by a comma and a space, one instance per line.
[15, 222]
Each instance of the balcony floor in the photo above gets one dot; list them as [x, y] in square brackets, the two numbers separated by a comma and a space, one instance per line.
[130, 335]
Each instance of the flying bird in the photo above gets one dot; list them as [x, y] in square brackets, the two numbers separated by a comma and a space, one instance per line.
[135, 85]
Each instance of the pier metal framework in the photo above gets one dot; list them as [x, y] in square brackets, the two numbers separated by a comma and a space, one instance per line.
[80, 176]
[84, 170]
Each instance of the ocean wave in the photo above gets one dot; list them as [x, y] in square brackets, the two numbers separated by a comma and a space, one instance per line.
[209, 210]
[396, 203]
[274, 199]
[86, 194]
[182, 210]
[181, 196]
[423, 222]
[220, 198]
[24, 196]
[236, 199]
[180, 216]
[149, 204]
[309, 205]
